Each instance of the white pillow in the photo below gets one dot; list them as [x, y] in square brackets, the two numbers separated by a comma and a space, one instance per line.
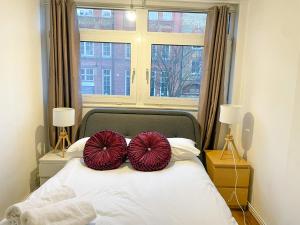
[182, 149]
[76, 149]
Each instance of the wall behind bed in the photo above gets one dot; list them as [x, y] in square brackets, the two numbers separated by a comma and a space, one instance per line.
[21, 116]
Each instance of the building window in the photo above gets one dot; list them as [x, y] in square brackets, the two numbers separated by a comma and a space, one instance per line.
[153, 15]
[106, 50]
[152, 83]
[167, 16]
[106, 81]
[85, 12]
[87, 76]
[127, 51]
[87, 49]
[164, 80]
[127, 82]
[166, 52]
[106, 13]
[195, 67]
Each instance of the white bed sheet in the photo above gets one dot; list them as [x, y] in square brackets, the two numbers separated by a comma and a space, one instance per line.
[181, 194]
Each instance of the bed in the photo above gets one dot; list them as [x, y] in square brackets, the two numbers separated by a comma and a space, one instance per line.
[181, 194]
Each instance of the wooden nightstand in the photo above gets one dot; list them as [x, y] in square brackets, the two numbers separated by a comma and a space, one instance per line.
[50, 164]
[222, 173]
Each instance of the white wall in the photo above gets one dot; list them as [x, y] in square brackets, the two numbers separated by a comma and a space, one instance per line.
[268, 86]
[21, 95]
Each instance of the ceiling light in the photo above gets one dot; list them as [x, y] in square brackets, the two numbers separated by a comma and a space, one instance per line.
[131, 15]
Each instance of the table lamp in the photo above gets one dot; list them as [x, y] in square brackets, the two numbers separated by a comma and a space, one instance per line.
[230, 115]
[63, 117]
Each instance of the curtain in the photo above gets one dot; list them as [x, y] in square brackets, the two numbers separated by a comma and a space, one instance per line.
[64, 82]
[212, 83]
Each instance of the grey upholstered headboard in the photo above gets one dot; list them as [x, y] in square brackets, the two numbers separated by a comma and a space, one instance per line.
[130, 122]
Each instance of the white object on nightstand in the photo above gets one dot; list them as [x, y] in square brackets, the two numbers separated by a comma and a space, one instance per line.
[50, 164]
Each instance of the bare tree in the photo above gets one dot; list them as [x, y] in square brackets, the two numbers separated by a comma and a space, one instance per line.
[177, 64]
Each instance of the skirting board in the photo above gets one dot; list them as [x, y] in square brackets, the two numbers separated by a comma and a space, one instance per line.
[256, 215]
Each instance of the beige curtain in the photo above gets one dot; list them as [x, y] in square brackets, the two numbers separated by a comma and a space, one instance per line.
[64, 84]
[212, 83]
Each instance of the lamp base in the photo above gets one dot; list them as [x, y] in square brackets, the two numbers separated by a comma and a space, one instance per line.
[62, 139]
[230, 146]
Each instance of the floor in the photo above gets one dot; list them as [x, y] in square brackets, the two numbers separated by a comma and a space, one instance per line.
[238, 215]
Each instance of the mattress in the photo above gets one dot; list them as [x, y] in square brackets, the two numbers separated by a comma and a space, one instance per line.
[181, 194]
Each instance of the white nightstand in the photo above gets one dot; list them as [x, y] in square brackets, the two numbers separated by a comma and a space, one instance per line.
[50, 164]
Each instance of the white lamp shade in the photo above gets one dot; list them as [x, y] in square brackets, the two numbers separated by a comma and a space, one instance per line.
[63, 117]
[230, 114]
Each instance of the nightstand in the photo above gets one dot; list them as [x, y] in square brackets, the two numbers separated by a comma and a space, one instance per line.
[50, 164]
[222, 173]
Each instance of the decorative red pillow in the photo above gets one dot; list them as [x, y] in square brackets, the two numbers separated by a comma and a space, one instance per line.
[105, 150]
[149, 151]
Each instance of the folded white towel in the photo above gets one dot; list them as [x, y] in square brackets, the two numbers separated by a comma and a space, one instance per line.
[68, 212]
[14, 212]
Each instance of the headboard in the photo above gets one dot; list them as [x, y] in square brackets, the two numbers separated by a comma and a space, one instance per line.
[130, 122]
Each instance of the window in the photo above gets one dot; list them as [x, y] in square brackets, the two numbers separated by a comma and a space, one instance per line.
[86, 49]
[127, 51]
[165, 52]
[106, 50]
[153, 15]
[127, 82]
[179, 74]
[106, 81]
[184, 23]
[115, 66]
[195, 67]
[87, 80]
[153, 83]
[85, 12]
[167, 16]
[106, 13]
[164, 82]
[142, 63]
[103, 19]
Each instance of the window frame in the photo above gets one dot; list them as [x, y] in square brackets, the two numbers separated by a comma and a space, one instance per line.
[103, 50]
[85, 49]
[168, 18]
[103, 11]
[141, 40]
[103, 81]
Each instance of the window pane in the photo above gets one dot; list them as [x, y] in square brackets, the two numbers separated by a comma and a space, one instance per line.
[175, 71]
[176, 22]
[107, 70]
[104, 19]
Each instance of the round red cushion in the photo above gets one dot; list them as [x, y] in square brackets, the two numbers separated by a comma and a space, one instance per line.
[105, 150]
[149, 151]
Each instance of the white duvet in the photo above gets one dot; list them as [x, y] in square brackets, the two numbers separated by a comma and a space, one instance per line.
[181, 194]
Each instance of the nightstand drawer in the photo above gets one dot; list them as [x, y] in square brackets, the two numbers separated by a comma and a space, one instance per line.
[225, 177]
[242, 194]
[49, 169]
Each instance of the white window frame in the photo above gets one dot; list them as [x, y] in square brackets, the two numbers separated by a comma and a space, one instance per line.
[141, 41]
[104, 11]
[167, 16]
[110, 81]
[85, 52]
[103, 51]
